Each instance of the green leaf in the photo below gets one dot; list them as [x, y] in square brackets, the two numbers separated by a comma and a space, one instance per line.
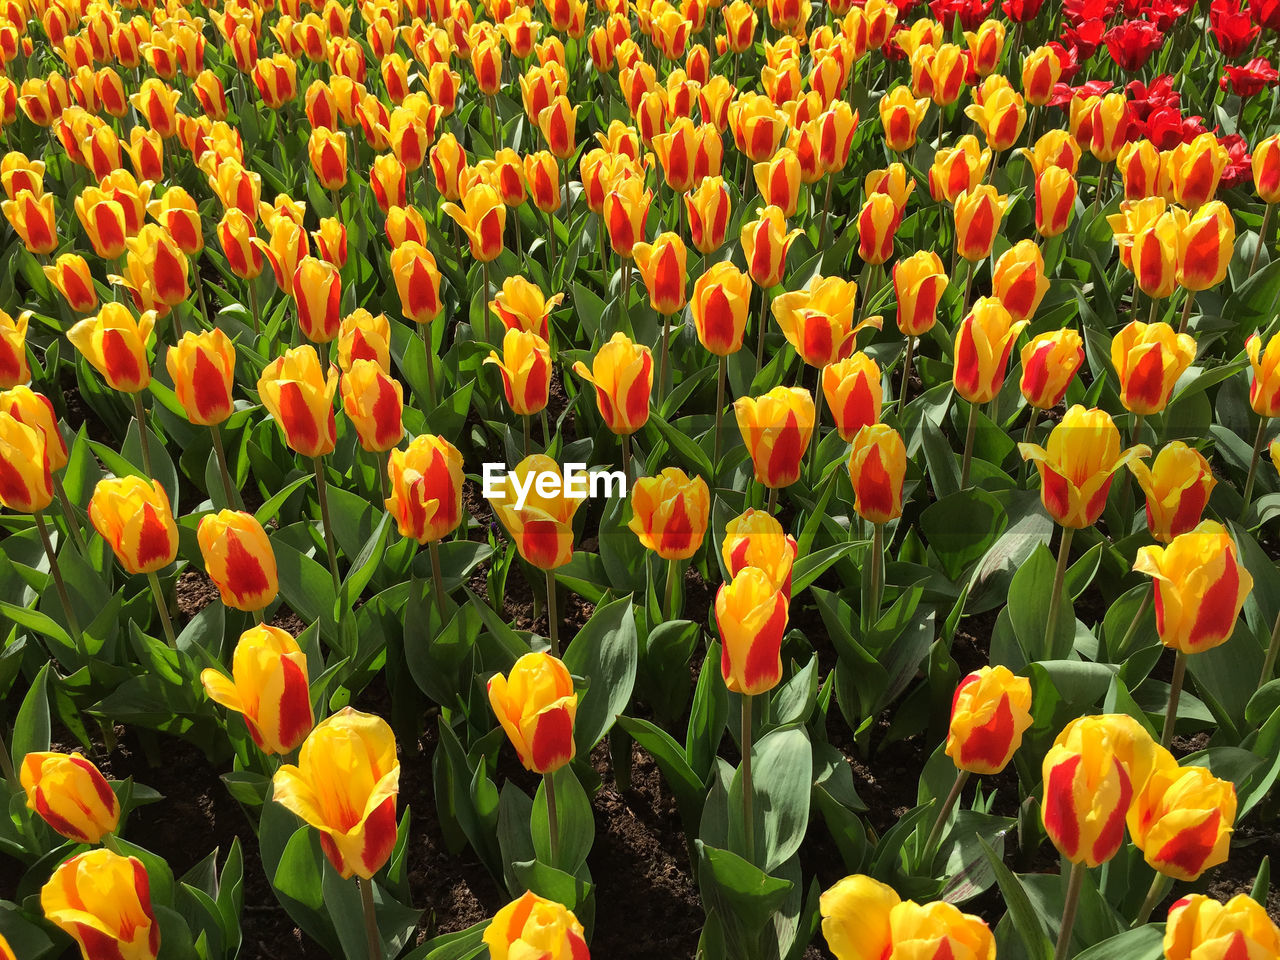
[810, 566]
[684, 447]
[1029, 596]
[742, 895]
[32, 730]
[782, 778]
[1025, 919]
[306, 585]
[577, 825]
[605, 652]
[684, 783]
[961, 527]
[1144, 943]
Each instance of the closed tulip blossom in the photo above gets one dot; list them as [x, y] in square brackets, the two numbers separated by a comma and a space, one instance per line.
[70, 276]
[374, 403]
[70, 794]
[202, 368]
[864, 919]
[979, 214]
[345, 786]
[1200, 927]
[901, 115]
[103, 901]
[719, 305]
[670, 513]
[417, 279]
[755, 539]
[622, 375]
[1083, 453]
[1206, 242]
[1177, 486]
[525, 365]
[982, 346]
[35, 410]
[877, 465]
[134, 517]
[776, 428]
[765, 242]
[425, 497]
[533, 926]
[1019, 280]
[1049, 363]
[1264, 390]
[751, 614]
[1182, 821]
[239, 559]
[540, 524]
[1087, 791]
[26, 480]
[1055, 198]
[299, 397]
[14, 368]
[853, 391]
[268, 686]
[990, 712]
[1149, 359]
[536, 705]
[708, 207]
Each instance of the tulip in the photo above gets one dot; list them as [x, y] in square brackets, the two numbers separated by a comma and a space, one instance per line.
[71, 795]
[157, 104]
[157, 271]
[70, 276]
[103, 901]
[719, 307]
[978, 216]
[765, 242]
[1200, 587]
[739, 25]
[1194, 169]
[236, 234]
[757, 126]
[1149, 359]
[317, 291]
[670, 514]
[540, 524]
[345, 786]
[982, 347]
[177, 212]
[1055, 198]
[901, 115]
[918, 282]
[818, 320]
[1087, 790]
[202, 367]
[1049, 362]
[1143, 171]
[1077, 466]
[364, 336]
[426, 488]
[957, 169]
[625, 208]
[521, 305]
[709, 209]
[1181, 820]
[778, 180]
[1109, 127]
[239, 560]
[751, 615]
[525, 366]
[535, 926]
[939, 930]
[755, 539]
[35, 410]
[18, 172]
[1000, 118]
[482, 217]
[877, 224]
[299, 396]
[990, 711]
[662, 266]
[417, 282]
[622, 374]
[555, 123]
[115, 343]
[1018, 279]
[836, 127]
[856, 920]
[134, 517]
[1199, 927]
[543, 179]
[1177, 486]
[853, 391]
[986, 46]
[374, 403]
[1041, 70]
[877, 465]
[26, 481]
[1205, 245]
[328, 152]
[776, 428]
[32, 218]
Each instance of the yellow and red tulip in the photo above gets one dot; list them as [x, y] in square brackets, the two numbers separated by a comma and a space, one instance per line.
[877, 466]
[751, 615]
[990, 711]
[1049, 362]
[776, 428]
[1019, 280]
[71, 795]
[374, 403]
[765, 242]
[202, 368]
[103, 901]
[115, 343]
[818, 320]
[1182, 820]
[426, 488]
[525, 366]
[316, 287]
[134, 517]
[670, 513]
[1087, 792]
[978, 216]
[417, 281]
[719, 306]
[982, 347]
[662, 265]
[1177, 486]
[239, 560]
[622, 374]
[535, 926]
[1149, 359]
[1199, 927]
[541, 525]
[299, 396]
[853, 392]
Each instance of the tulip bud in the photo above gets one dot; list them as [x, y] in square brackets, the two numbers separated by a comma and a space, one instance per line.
[854, 393]
[670, 513]
[877, 224]
[70, 276]
[719, 306]
[901, 115]
[103, 901]
[14, 369]
[202, 367]
[535, 926]
[239, 560]
[1177, 486]
[178, 214]
[543, 178]
[1019, 279]
[778, 180]
[990, 711]
[877, 466]
[541, 524]
[755, 539]
[134, 517]
[625, 208]
[71, 795]
[236, 235]
[328, 152]
[1194, 169]
[709, 209]
[622, 374]
[1149, 359]
[317, 291]
[982, 347]
[525, 366]
[1143, 171]
[374, 403]
[1109, 127]
[856, 920]
[1041, 70]
[1203, 929]
[1265, 165]
[556, 123]
[978, 216]
[26, 481]
[426, 488]
[836, 127]
[1205, 244]
[751, 615]
[986, 46]
[1076, 468]
[417, 282]
[918, 282]
[1055, 197]
[765, 242]
[345, 786]
[1264, 391]
[662, 264]
[1049, 361]
[115, 343]
[1181, 820]
[299, 397]
[1200, 587]
[32, 218]
[1087, 791]
[36, 411]
[268, 686]
[776, 428]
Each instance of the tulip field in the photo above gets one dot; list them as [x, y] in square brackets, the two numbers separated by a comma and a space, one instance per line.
[716, 479]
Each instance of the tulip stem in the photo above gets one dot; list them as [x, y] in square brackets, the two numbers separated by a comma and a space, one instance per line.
[233, 495]
[720, 378]
[1269, 664]
[553, 618]
[322, 494]
[73, 622]
[437, 577]
[163, 607]
[968, 289]
[69, 512]
[906, 377]
[526, 434]
[1074, 885]
[773, 501]
[927, 853]
[553, 819]
[1059, 576]
[626, 457]
[672, 576]
[970, 433]
[1175, 694]
[488, 324]
[1186, 311]
[1028, 436]
[551, 249]
[1253, 466]
[748, 819]
[877, 573]
[1133, 627]
[826, 211]
[1159, 888]
[546, 429]
[141, 414]
[252, 284]
[370, 918]
[764, 314]
[662, 368]
[817, 427]
[431, 367]
[1262, 238]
